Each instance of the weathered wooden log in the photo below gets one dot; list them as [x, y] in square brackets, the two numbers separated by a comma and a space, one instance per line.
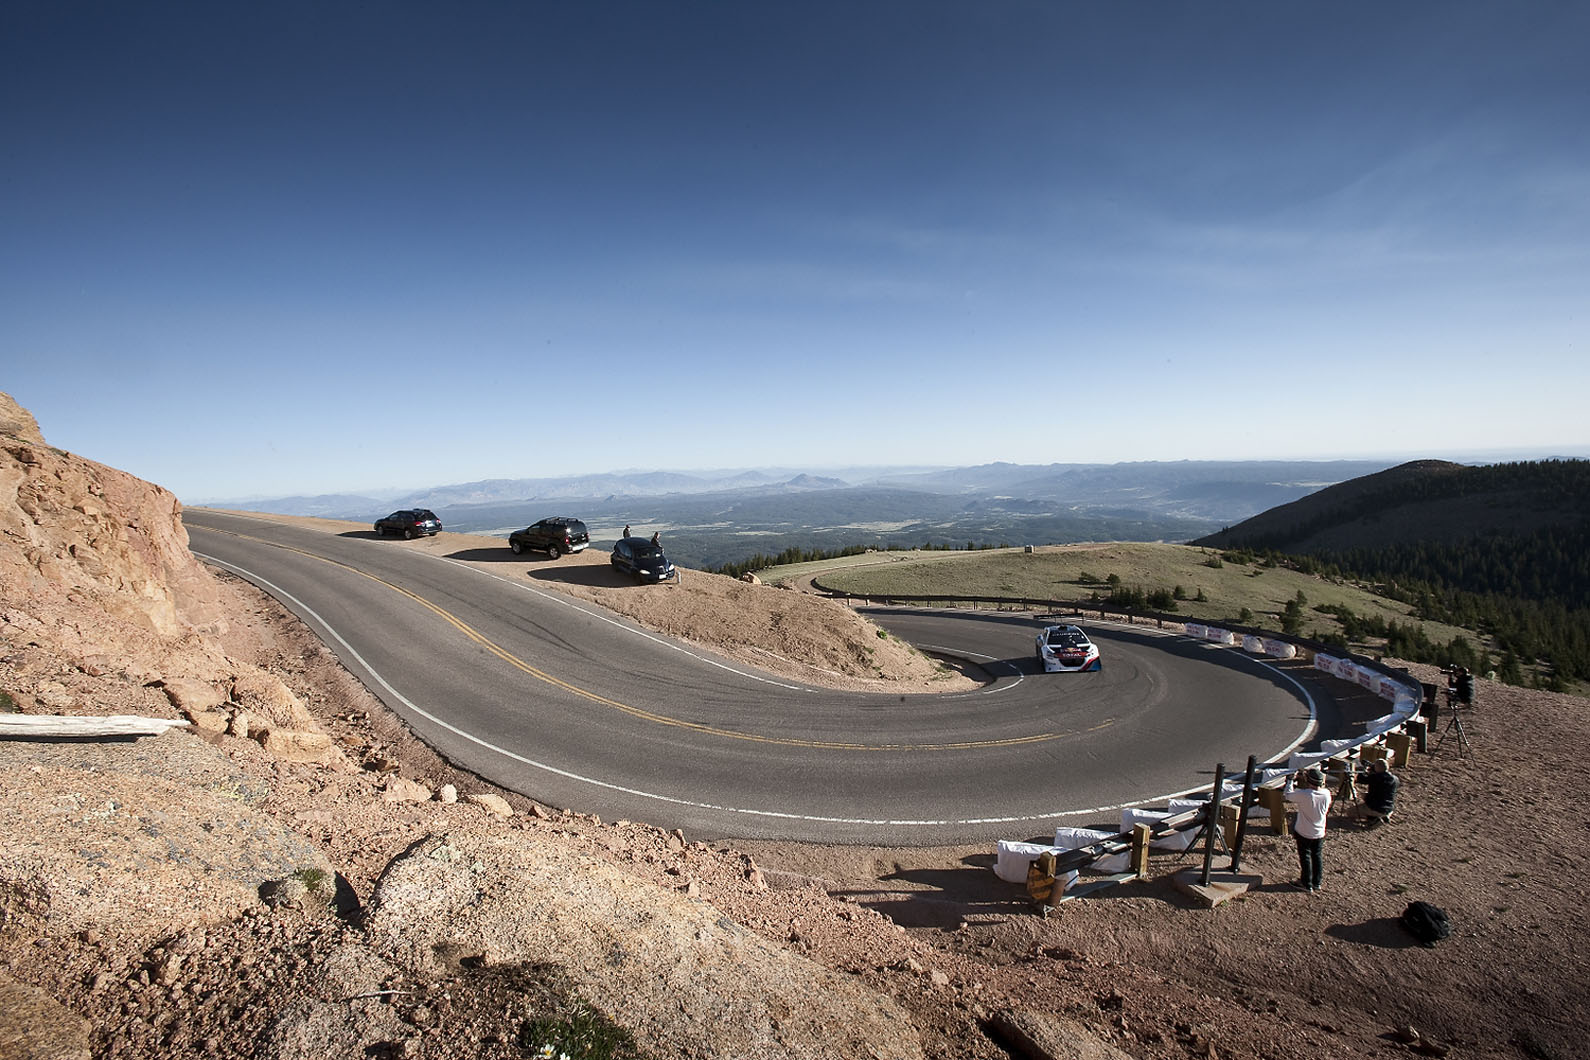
[45, 726]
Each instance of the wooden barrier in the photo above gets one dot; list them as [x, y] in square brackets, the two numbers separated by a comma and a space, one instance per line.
[1230, 813]
[1274, 801]
[1138, 862]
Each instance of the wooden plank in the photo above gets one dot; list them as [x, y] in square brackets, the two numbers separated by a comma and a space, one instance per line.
[1080, 890]
[46, 726]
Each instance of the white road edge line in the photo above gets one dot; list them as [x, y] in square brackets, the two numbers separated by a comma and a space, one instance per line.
[283, 594]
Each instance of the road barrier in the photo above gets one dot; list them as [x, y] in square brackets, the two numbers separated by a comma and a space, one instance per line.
[1123, 855]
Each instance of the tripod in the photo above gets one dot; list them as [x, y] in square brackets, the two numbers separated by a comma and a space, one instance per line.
[1454, 724]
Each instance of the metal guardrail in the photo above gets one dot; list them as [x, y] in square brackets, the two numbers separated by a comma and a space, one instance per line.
[1206, 817]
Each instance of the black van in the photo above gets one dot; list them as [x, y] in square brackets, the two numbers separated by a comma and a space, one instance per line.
[558, 536]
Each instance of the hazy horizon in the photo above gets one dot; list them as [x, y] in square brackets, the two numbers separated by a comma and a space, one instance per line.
[777, 472]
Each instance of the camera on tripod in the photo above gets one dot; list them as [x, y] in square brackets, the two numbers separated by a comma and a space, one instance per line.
[1459, 685]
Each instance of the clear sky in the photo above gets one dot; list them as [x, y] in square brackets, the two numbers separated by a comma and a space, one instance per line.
[260, 249]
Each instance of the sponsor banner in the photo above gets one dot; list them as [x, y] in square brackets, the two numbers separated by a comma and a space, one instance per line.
[1194, 629]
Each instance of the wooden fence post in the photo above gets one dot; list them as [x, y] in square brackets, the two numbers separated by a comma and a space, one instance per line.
[1274, 800]
[1229, 815]
[1138, 862]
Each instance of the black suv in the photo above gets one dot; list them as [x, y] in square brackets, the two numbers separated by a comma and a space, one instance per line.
[643, 559]
[557, 536]
[410, 522]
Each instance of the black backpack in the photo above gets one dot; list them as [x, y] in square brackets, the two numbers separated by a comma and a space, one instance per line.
[1427, 923]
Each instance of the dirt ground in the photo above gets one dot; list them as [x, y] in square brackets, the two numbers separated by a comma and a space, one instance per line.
[1483, 830]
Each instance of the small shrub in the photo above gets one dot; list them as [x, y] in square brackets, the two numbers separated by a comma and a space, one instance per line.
[8, 705]
[584, 1034]
[315, 881]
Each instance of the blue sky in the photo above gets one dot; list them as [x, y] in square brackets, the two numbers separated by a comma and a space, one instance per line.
[256, 250]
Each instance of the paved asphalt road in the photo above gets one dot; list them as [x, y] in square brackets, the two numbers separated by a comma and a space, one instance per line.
[578, 708]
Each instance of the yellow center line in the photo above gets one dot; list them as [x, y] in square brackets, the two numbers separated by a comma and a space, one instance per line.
[645, 715]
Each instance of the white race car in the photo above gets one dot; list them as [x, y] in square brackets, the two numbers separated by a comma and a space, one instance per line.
[1068, 649]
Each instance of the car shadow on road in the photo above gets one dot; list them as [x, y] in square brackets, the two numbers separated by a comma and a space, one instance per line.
[369, 535]
[587, 574]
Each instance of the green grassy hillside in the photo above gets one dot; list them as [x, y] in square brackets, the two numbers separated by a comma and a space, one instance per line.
[1237, 593]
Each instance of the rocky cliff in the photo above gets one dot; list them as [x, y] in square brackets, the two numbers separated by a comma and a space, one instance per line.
[293, 875]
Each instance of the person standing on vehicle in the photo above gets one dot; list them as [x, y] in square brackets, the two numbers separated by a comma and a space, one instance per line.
[1313, 802]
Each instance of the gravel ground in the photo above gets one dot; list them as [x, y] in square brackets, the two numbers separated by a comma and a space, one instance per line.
[1487, 835]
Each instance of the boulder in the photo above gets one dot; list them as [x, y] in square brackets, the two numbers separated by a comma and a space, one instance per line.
[90, 849]
[18, 422]
[401, 789]
[487, 801]
[674, 972]
[270, 702]
[190, 694]
[293, 746]
[1041, 1036]
[34, 1026]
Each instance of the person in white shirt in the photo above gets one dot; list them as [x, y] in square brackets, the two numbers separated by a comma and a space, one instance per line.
[1313, 802]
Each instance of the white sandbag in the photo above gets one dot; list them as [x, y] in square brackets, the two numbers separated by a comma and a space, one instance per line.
[1012, 859]
[1073, 838]
[1303, 761]
[1111, 863]
[1280, 649]
[1383, 725]
[1195, 629]
[1253, 645]
[1220, 636]
[1335, 747]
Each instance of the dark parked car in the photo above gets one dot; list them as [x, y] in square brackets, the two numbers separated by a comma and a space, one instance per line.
[643, 559]
[558, 536]
[410, 522]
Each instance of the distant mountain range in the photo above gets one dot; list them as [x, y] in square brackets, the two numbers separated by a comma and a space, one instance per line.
[713, 518]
